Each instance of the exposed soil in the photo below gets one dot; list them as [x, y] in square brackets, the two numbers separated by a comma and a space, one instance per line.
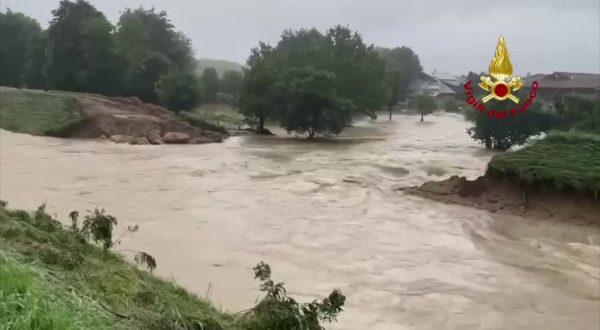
[130, 117]
[508, 197]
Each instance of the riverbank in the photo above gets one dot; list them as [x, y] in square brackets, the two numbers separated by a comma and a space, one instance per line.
[554, 178]
[120, 119]
[53, 277]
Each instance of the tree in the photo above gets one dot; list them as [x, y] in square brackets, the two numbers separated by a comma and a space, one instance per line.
[425, 104]
[81, 49]
[406, 62]
[503, 133]
[210, 84]
[20, 39]
[394, 82]
[359, 70]
[150, 48]
[231, 83]
[179, 91]
[312, 104]
[37, 57]
[257, 98]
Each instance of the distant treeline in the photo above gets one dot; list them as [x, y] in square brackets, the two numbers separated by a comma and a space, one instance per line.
[315, 80]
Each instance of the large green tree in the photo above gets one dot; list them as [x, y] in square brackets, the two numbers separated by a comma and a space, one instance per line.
[22, 50]
[359, 70]
[150, 48]
[257, 99]
[81, 49]
[312, 105]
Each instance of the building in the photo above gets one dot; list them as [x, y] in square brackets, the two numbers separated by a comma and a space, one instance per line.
[432, 86]
[564, 84]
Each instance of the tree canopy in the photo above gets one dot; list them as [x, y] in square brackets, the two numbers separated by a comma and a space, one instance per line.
[425, 104]
[355, 74]
[82, 51]
[18, 53]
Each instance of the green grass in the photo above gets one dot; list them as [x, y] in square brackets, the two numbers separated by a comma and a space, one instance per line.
[217, 114]
[32, 298]
[564, 161]
[38, 113]
[51, 278]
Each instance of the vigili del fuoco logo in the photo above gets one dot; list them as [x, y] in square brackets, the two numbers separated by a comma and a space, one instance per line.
[500, 87]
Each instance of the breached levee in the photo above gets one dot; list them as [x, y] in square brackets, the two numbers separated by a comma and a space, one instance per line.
[554, 178]
[79, 115]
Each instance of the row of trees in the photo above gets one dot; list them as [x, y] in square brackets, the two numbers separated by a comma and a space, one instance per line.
[311, 82]
[314, 83]
[82, 51]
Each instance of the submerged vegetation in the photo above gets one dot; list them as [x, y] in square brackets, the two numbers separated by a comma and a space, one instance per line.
[38, 113]
[563, 161]
[55, 277]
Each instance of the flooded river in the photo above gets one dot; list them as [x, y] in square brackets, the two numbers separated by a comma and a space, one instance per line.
[325, 215]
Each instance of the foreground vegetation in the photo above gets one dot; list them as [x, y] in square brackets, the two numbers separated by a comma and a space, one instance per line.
[55, 277]
[564, 161]
[38, 113]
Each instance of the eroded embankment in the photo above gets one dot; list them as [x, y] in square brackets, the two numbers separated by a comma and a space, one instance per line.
[122, 119]
[507, 196]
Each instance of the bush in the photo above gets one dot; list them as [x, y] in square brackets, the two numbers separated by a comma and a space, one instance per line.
[580, 113]
[425, 104]
[278, 311]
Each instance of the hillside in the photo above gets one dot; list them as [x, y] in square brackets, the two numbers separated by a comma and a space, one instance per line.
[221, 66]
[65, 114]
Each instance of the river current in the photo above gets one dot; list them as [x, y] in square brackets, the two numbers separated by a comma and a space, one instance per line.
[325, 215]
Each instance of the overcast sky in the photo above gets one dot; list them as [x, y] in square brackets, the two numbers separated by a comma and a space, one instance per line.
[450, 36]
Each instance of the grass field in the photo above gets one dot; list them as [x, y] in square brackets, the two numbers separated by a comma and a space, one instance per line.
[37, 112]
[565, 161]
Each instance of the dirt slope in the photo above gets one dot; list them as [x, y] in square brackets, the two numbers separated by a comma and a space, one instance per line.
[132, 118]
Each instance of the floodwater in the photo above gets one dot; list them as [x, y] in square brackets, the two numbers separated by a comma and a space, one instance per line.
[325, 215]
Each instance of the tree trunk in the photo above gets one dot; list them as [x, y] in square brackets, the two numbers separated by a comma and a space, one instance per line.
[261, 124]
[421, 116]
[390, 113]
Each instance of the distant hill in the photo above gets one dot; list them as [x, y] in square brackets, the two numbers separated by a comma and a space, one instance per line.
[220, 65]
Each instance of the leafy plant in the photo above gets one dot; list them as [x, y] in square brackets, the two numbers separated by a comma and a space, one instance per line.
[99, 226]
[278, 311]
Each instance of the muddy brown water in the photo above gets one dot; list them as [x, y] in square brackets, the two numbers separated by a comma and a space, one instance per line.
[324, 215]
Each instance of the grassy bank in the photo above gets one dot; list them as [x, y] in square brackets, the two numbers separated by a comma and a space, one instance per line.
[37, 112]
[55, 277]
[563, 161]
[217, 114]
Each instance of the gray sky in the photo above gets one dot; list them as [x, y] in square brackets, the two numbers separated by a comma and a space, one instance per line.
[451, 36]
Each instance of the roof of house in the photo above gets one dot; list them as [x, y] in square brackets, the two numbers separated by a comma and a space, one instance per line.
[429, 85]
[566, 80]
